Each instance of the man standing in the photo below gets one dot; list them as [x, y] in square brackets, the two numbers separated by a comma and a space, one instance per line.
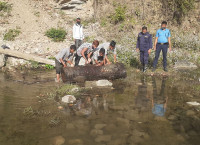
[162, 42]
[85, 51]
[78, 33]
[144, 45]
[61, 58]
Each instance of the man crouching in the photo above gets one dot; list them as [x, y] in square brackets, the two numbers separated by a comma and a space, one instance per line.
[61, 58]
[99, 57]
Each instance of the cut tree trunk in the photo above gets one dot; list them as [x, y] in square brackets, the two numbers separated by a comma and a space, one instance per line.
[91, 72]
[26, 56]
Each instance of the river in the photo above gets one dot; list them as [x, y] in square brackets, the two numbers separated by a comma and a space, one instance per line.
[138, 110]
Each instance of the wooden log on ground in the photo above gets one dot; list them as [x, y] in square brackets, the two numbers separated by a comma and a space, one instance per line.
[25, 56]
[91, 72]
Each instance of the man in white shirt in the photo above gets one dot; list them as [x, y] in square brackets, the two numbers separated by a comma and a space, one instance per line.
[78, 33]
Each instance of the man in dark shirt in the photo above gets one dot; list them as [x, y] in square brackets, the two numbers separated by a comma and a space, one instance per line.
[144, 45]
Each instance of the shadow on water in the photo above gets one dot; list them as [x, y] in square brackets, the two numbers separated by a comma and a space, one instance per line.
[141, 110]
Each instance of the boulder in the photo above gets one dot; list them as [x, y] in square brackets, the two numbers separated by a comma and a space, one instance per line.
[68, 99]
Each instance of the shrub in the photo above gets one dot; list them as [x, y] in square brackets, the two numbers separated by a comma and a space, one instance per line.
[48, 66]
[11, 34]
[120, 14]
[5, 8]
[56, 35]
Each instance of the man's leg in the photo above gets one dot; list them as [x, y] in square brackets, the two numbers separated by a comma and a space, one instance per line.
[77, 43]
[80, 42]
[142, 57]
[146, 59]
[164, 51]
[58, 70]
[157, 54]
[77, 59]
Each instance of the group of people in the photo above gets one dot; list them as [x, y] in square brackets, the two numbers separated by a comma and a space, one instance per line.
[97, 54]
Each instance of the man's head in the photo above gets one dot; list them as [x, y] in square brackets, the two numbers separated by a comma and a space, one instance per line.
[72, 48]
[163, 25]
[95, 44]
[78, 20]
[144, 29]
[102, 52]
[112, 44]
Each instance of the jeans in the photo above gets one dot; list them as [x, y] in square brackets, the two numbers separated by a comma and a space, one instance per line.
[164, 49]
[144, 57]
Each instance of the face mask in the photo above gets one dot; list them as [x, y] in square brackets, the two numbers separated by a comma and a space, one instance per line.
[163, 28]
[79, 23]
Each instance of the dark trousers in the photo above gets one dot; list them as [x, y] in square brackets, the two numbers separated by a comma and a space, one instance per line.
[77, 59]
[78, 43]
[59, 67]
[144, 57]
[164, 49]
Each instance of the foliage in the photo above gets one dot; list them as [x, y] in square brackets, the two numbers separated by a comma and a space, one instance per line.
[5, 8]
[11, 34]
[34, 64]
[48, 66]
[89, 39]
[56, 35]
[180, 8]
[120, 14]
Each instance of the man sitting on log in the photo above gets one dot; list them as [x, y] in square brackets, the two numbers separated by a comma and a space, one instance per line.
[109, 48]
[99, 57]
[61, 58]
[85, 51]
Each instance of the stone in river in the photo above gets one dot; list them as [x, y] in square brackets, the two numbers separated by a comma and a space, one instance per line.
[103, 138]
[58, 140]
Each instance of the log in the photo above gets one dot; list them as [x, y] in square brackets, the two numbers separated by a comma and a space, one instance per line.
[91, 72]
[25, 56]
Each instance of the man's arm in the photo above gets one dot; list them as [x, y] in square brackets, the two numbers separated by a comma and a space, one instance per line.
[74, 31]
[83, 54]
[115, 58]
[169, 41]
[61, 60]
[150, 44]
[106, 59]
[156, 41]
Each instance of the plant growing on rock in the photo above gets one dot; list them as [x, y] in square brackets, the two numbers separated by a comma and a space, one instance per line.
[11, 34]
[56, 35]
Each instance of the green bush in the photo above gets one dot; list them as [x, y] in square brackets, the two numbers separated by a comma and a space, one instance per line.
[120, 14]
[11, 34]
[5, 7]
[48, 66]
[56, 35]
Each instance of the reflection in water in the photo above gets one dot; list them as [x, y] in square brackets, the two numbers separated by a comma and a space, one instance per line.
[159, 100]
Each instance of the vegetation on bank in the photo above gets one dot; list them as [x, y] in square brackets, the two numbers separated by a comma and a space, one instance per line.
[11, 34]
[57, 35]
[5, 9]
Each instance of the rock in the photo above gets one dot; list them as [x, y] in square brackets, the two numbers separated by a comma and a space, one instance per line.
[70, 126]
[131, 115]
[172, 117]
[75, 90]
[68, 99]
[190, 113]
[103, 138]
[58, 140]
[184, 65]
[96, 132]
[104, 83]
[14, 62]
[122, 122]
[2, 60]
[116, 108]
[75, 141]
[99, 126]
[99, 83]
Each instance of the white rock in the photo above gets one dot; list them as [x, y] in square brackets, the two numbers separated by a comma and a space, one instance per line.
[68, 99]
[103, 83]
[193, 103]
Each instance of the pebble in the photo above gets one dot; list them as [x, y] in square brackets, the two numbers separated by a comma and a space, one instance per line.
[103, 138]
[75, 141]
[95, 132]
[58, 140]
[190, 113]
[99, 126]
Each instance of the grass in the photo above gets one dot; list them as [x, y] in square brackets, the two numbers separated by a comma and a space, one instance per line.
[11, 34]
[57, 35]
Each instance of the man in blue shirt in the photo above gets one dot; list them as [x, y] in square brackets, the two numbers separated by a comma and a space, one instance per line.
[144, 45]
[162, 42]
